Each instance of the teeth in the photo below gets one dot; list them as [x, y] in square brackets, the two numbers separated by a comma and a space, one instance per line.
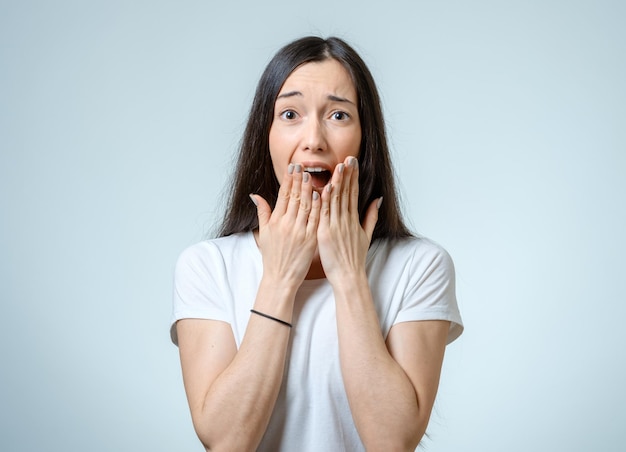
[314, 169]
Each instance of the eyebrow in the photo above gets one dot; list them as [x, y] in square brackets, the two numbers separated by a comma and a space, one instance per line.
[330, 97]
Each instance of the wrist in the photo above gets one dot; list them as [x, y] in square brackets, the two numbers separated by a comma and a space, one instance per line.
[276, 298]
[279, 286]
[349, 283]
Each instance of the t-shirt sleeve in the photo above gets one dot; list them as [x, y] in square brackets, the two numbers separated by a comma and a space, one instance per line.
[430, 293]
[196, 291]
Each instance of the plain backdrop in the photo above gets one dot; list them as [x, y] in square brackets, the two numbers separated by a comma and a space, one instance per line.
[118, 122]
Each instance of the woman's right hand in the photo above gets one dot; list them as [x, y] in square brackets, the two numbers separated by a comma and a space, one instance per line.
[287, 236]
[232, 390]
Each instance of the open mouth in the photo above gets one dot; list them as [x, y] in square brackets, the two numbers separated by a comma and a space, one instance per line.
[319, 176]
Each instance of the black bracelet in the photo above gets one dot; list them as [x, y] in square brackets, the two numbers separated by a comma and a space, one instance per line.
[271, 318]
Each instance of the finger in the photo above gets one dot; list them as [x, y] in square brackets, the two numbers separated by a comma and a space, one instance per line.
[295, 194]
[283, 193]
[314, 215]
[264, 211]
[305, 200]
[336, 189]
[345, 187]
[353, 186]
[371, 218]
[325, 203]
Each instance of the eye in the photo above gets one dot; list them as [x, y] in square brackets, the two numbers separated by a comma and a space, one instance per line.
[289, 115]
[340, 116]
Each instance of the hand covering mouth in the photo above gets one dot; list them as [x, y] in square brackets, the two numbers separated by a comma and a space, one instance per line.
[319, 176]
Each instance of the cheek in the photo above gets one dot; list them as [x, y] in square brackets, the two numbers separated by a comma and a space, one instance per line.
[351, 143]
[357, 146]
[275, 144]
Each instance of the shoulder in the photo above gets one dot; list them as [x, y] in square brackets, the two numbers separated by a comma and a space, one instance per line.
[212, 252]
[416, 251]
[420, 273]
[221, 245]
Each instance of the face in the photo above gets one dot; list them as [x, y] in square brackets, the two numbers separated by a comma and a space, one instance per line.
[316, 121]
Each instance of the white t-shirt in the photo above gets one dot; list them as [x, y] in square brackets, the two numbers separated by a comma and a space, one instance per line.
[410, 279]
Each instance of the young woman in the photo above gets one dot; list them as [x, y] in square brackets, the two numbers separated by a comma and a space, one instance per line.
[316, 321]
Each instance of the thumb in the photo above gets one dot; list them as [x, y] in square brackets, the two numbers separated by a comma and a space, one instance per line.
[264, 211]
[371, 217]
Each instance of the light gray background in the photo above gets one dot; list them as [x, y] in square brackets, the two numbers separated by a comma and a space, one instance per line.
[117, 125]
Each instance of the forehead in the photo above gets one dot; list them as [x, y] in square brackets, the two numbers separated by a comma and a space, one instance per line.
[328, 77]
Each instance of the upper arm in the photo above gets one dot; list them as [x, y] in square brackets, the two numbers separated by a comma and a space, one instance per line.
[206, 348]
[418, 347]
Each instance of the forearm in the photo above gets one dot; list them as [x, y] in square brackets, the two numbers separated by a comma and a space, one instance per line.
[382, 399]
[239, 403]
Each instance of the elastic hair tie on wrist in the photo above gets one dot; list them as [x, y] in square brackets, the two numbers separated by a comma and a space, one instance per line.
[282, 322]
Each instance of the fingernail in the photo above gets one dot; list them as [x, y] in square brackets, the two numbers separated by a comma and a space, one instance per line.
[290, 168]
[379, 203]
[353, 162]
[316, 196]
[329, 187]
[254, 200]
[341, 167]
[298, 168]
[305, 177]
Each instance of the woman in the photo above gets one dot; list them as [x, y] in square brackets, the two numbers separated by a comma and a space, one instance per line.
[316, 321]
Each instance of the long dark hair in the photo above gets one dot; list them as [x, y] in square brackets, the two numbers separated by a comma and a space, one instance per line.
[254, 172]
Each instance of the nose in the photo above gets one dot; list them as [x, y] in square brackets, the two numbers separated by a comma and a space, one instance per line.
[314, 136]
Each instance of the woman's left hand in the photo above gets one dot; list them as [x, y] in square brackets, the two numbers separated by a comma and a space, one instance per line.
[343, 242]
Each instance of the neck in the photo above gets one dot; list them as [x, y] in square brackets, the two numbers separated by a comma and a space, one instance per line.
[316, 271]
